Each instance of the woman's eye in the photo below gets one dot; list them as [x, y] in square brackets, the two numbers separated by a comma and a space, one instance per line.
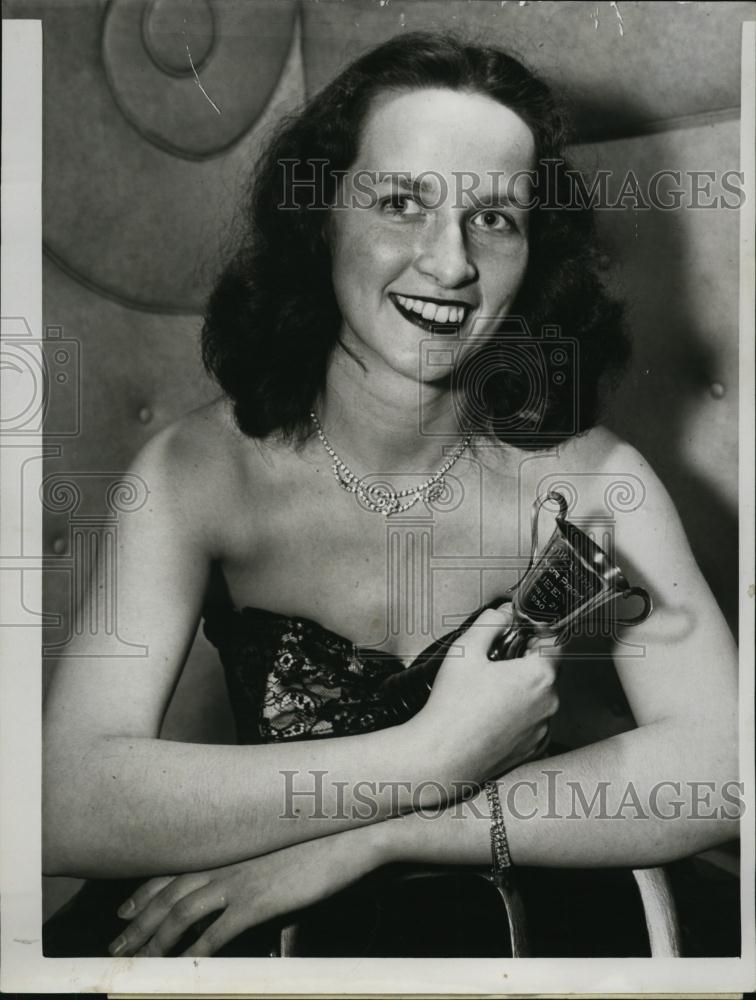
[400, 205]
[492, 221]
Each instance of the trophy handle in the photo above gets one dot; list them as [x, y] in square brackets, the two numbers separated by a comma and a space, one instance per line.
[648, 606]
[534, 515]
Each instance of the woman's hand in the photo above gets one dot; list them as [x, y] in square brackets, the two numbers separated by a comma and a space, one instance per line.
[485, 717]
[243, 895]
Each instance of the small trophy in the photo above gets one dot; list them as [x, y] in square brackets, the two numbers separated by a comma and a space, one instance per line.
[564, 583]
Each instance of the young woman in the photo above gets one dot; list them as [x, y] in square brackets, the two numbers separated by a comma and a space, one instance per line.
[374, 336]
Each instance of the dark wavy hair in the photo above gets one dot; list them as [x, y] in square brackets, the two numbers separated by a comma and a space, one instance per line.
[272, 319]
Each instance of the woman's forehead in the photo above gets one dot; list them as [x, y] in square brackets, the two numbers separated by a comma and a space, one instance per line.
[438, 129]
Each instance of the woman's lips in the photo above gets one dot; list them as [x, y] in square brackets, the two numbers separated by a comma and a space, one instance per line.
[435, 317]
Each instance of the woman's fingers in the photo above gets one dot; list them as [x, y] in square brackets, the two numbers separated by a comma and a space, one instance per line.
[183, 915]
[220, 932]
[540, 748]
[134, 905]
[152, 908]
[486, 627]
[505, 608]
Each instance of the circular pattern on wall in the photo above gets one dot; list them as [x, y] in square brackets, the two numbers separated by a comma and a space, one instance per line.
[142, 175]
[168, 42]
[153, 52]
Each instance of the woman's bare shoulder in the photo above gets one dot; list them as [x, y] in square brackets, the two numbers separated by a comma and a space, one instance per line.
[601, 450]
[195, 445]
[616, 480]
[585, 461]
[600, 474]
[193, 465]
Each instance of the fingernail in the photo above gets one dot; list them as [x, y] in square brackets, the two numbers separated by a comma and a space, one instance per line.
[117, 946]
[126, 909]
[494, 650]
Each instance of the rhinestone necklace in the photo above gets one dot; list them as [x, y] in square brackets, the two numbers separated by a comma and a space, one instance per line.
[379, 497]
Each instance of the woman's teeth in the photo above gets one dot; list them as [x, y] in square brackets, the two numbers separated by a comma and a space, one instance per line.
[432, 312]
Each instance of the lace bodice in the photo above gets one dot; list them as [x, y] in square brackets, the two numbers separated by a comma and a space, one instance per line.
[291, 678]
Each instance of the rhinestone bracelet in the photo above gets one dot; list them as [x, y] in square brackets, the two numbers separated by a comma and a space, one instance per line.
[502, 862]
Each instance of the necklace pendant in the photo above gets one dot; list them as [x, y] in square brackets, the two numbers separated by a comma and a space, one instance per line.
[388, 503]
[381, 498]
[435, 490]
[393, 505]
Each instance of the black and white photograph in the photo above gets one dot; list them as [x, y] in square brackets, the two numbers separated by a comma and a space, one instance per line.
[377, 497]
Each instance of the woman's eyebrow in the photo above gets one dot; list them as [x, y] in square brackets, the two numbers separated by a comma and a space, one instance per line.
[494, 199]
[465, 192]
[405, 181]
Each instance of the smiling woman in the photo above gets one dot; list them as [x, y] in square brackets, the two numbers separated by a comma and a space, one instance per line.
[430, 157]
[420, 251]
[412, 308]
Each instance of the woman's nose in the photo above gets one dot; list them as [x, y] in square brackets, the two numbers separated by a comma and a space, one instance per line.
[444, 255]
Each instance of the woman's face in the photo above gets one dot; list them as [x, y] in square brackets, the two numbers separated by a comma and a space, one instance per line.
[443, 259]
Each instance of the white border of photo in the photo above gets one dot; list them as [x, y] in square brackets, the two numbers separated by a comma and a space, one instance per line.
[24, 969]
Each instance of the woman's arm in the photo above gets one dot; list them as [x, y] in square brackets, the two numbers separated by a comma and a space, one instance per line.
[119, 801]
[656, 793]
[664, 790]
[601, 806]
[580, 809]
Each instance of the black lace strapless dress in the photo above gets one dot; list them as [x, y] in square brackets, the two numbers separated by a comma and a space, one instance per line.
[289, 678]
